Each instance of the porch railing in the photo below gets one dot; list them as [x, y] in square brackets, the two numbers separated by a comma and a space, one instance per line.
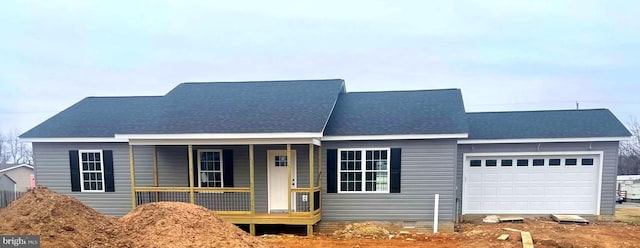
[304, 203]
[221, 200]
[228, 201]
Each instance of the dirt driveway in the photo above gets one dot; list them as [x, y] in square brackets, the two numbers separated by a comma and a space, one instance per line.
[545, 233]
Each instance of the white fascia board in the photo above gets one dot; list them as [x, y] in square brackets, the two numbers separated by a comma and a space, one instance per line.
[168, 139]
[542, 140]
[397, 137]
[292, 141]
[15, 167]
[209, 136]
[74, 140]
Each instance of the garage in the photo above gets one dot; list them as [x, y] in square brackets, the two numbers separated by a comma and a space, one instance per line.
[532, 183]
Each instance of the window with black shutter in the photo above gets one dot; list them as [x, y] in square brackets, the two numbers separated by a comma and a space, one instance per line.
[91, 170]
[363, 170]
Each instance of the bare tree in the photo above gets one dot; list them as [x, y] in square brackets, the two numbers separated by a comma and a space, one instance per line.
[13, 151]
[3, 149]
[629, 160]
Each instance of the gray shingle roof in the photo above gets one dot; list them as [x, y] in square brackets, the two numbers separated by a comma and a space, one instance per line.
[224, 107]
[545, 124]
[398, 112]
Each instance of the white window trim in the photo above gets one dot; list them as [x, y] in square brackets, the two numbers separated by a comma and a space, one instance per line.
[82, 170]
[221, 167]
[363, 168]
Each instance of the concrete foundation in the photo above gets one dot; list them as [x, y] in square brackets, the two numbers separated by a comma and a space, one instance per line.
[325, 226]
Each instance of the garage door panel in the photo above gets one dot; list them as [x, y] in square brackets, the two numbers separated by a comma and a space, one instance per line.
[565, 189]
[505, 191]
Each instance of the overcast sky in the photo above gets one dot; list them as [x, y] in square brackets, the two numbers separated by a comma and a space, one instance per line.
[503, 55]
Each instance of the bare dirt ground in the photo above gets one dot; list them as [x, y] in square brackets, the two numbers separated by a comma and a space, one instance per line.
[63, 221]
[545, 233]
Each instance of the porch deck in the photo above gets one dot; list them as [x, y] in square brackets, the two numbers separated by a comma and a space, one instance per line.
[237, 205]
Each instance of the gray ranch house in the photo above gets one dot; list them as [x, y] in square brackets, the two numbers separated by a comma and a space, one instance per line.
[310, 153]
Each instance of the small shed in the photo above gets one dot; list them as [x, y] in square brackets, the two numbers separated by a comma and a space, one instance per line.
[631, 185]
[8, 191]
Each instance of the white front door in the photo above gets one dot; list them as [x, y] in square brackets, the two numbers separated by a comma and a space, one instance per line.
[277, 169]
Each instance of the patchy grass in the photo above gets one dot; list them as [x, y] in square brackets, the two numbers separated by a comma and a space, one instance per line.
[628, 215]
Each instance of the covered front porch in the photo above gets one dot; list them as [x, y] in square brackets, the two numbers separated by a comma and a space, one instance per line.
[261, 182]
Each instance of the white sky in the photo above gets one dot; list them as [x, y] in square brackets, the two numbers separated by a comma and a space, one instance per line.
[504, 55]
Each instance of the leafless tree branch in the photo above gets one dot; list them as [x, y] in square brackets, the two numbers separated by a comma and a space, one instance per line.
[629, 160]
[13, 151]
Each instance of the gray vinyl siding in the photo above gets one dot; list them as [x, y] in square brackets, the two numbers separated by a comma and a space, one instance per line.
[173, 167]
[52, 170]
[428, 168]
[609, 170]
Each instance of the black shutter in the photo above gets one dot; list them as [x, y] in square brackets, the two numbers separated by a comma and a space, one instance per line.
[227, 168]
[332, 171]
[108, 171]
[196, 165]
[396, 164]
[74, 167]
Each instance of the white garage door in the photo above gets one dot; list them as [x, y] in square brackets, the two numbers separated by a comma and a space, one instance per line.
[534, 183]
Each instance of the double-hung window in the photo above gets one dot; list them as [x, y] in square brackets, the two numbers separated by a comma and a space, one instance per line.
[363, 170]
[91, 170]
[210, 168]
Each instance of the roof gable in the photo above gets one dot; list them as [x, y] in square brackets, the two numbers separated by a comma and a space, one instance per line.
[398, 113]
[250, 107]
[8, 178]
[589, 123]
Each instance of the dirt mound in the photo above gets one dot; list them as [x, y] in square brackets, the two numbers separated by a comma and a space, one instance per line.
[173, 224]
[363, 230]
[61, 220]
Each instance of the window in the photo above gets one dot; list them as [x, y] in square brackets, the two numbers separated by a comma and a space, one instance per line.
[587, 161]
[523, 162]
[554, 162]
[372, 177]
[210, 168]
[475, 163]
[491, 162]
[281, 161]
[571, 161]
[506, 162]
[538, 162]
[91, 171]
